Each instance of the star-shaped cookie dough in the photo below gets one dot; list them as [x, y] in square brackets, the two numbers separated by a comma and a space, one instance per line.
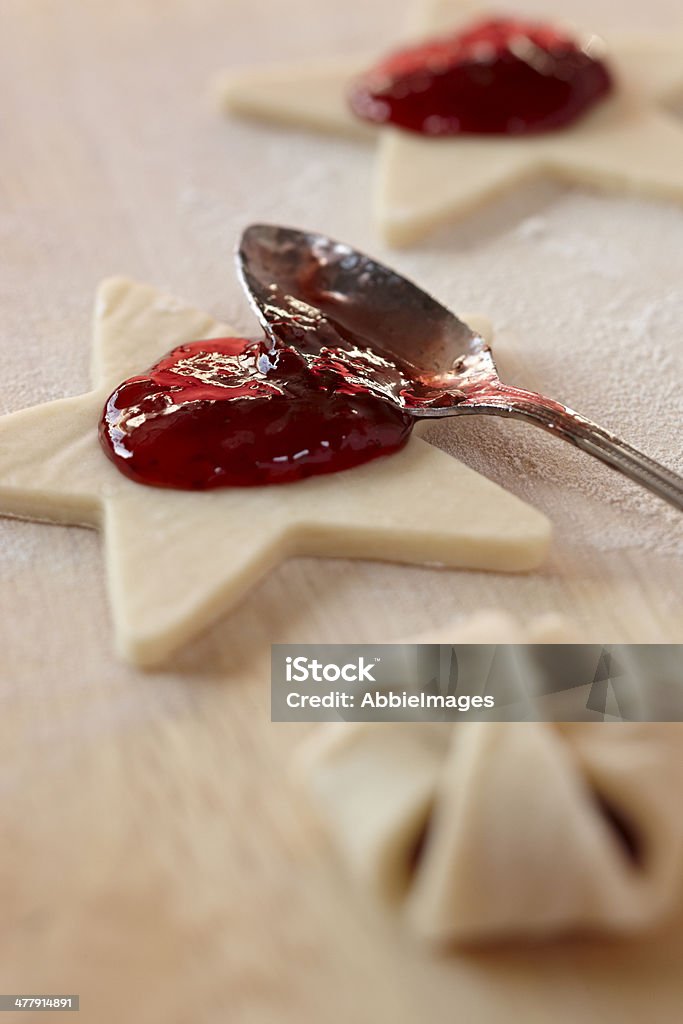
[629, 142]
[178, 560]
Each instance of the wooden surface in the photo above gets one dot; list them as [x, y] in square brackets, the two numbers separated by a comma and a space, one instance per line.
[155, 856]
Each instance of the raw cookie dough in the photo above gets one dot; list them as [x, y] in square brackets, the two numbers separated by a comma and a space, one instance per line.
[178, 560]
[485, 831]
[629, 142]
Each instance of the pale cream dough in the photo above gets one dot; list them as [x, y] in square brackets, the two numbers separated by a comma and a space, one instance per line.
[486, 831]
[176, 560]
[628, 143]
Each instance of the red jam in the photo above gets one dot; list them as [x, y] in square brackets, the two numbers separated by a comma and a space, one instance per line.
[235, 413]
[499, 77]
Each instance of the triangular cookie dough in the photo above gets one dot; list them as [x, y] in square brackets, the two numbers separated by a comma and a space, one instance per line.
[628, 143]
[486, 831]
[178, 560]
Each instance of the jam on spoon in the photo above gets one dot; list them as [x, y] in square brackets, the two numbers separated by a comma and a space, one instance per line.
[501, 76]
[448, 367]
[231, 412]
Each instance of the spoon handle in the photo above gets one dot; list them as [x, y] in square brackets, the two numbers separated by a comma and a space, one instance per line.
[502, 400]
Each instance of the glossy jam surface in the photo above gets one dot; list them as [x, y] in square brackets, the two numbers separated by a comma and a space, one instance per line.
[231, 412]
[498, 77]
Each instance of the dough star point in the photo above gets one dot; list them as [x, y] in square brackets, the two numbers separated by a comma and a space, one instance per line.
[178, 560]
[629, 143]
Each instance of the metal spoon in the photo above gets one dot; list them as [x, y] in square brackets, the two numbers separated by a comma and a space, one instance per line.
[311, 284]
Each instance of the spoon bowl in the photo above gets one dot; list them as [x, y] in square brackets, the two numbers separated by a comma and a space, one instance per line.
[333, 295]
[283, 268]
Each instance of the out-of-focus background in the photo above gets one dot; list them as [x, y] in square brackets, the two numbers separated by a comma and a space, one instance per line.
[154, 857]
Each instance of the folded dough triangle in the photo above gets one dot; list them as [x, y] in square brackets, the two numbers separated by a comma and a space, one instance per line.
[485, 831]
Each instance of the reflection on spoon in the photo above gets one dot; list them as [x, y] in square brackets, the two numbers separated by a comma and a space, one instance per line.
[306, 286]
